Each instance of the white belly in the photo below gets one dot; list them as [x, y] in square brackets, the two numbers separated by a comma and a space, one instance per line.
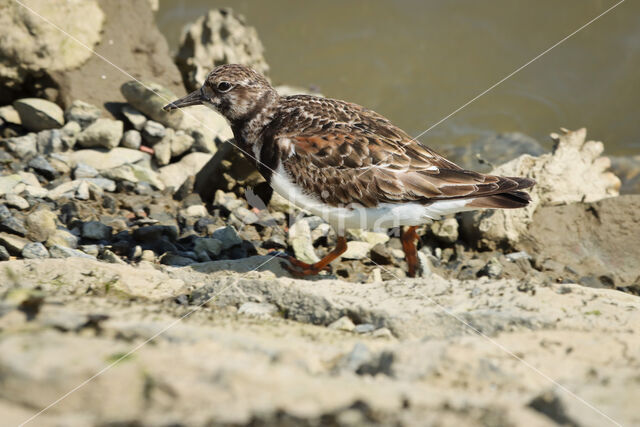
[386, 215]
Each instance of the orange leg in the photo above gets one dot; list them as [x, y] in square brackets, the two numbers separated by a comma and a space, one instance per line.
[299, 268]
[409, 237]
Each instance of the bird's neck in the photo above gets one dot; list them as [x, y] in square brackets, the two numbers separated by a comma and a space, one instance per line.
[247, 129]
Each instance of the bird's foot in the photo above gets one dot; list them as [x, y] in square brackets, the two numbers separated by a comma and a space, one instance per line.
[298, 268]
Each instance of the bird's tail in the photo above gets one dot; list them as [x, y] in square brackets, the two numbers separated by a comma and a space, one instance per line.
[508, 200]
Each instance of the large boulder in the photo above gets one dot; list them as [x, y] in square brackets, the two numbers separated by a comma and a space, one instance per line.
[132, 41]
[574, 172]
[220, 37]
[32, 48]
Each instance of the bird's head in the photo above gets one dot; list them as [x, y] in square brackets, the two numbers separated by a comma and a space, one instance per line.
[235, 91]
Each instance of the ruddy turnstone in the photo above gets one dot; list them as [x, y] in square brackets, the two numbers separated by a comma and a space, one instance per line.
[345, 163]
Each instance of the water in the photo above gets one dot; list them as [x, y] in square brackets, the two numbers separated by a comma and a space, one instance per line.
[417, 61]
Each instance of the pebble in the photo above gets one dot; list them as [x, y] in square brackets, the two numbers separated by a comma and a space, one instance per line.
[63, 238]
[149, 98]
[380, 254]
[111, 257]
[446, 231]
[515, 256]
[41, 224]
[275, 241]
[162, 152]
[175, 260]
[101, 160]
[82, 192]
[83, 113]
[343, 324]
[49, 141]
[364, 328]
[209, 246]
[23, 146]
[34, 250]
[13, 225]
[382, 333]
[356, 250]
[10, 115]
[83, 170]
[39, 114]
[131, 139]
[135, 117]
[92, 250]
[43, 167]
[95, 230]
[258, 309]
[57, 251]
[181, 143]
[195, 211]
[13, 243]
[69, 134]
[493, 269]
[104, 133]
[300, 241]
[153, 132]
[147, 255]
[228, 236]
[4, 254]
[16, 201]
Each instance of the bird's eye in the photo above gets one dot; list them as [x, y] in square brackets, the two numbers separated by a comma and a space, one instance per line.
[224, 86]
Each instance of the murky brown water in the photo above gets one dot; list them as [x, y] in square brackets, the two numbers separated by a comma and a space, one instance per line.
[417, 61]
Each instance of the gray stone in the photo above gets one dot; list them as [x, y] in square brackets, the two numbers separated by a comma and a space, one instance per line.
[96, 230]
[357, 250]
[4, 254]
[180, 143]
[111, 257]
[16, 201]
[131, 139]
[493, 269]
[82, 192]
[175, 260]
[258, 309]
[209, 246]
[34, 250]
[162, 152]
[153, 132]
[149, 98]
[13, 225]
[105, 133]
[57, 251]
[135, 117]
[39, 114]
[175, 174]
[43, 167]
[92, 250]
[10, 115]
[364, 328]
[50, 141]
[23, 146]
[83, 170]
[83, 113]
[8, 183]
[220, 37]
[69, 134]
[102, 183]
[228, 236]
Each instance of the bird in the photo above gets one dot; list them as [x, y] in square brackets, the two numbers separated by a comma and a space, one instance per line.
[345, 163]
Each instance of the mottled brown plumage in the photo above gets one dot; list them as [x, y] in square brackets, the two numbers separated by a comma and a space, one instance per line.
[340, 154]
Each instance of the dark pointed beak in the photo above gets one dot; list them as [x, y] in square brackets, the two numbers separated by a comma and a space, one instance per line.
[194, 98]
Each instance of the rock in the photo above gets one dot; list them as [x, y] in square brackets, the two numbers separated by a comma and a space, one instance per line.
[175, 174]
[102, 160]
[23, 146]
[628, 170]
[492, 269]
[43, 167]
[41, 224]
[13, 225]
[62, 238]
[131, 139]
[446, 230]
[149, 98]
[105, 133]
[82, 192]
[134, 117]
[486, 153]
[9, 114]
[586, 180]
[209, 246]
[57, 251]
[33, 47]
[180, 143]
[300, 241]
[39, 114]
[381, 255]
[148, 256]
[342, 324]
[50, 141]
[144, 174]
[4, 254]
[194, 211]
[228, 171]
[131, 39]
[34, 251]
[175, 260]
[275, 241]
[356, 250]
[82, 113]
[258, 309]
[83, 170]
[8, 183]
[120, 173]
[364, 328]
[69, 134]
[16, 202]
[14, 244]
[112, 258]
[373, 238]
[220, 37]
[162, 152]
[228, 236]
[95, 230]
[153, 132]
[597, 234]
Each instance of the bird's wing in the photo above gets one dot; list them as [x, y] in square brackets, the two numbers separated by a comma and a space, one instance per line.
[358, 156]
